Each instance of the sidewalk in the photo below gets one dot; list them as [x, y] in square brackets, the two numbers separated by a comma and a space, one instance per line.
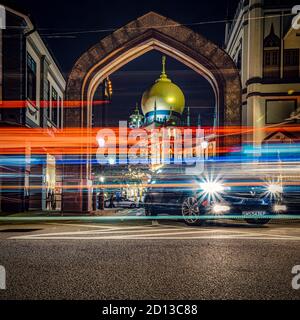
[126, 214]
[106, 212]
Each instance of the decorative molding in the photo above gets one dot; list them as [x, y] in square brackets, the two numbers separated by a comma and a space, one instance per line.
[272, 94]
[259, 80]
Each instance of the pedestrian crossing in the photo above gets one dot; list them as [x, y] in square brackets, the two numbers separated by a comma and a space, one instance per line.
[156, 231]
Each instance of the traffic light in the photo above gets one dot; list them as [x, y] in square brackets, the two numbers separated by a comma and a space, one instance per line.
[110, 88]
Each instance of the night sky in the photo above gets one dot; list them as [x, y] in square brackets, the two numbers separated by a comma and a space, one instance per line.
[71, 27]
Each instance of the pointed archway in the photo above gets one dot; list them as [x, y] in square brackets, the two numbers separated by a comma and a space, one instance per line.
[154, 32]
[149, 32]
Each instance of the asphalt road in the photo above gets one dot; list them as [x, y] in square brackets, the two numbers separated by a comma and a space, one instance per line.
[139, 261]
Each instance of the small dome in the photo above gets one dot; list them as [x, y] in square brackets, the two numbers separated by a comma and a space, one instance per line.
[163, 96]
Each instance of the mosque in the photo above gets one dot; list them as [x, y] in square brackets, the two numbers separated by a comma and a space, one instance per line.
[162, 104]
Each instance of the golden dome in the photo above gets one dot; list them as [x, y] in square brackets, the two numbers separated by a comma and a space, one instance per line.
[164, 95]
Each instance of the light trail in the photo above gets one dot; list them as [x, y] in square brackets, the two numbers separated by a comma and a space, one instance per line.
[83, 141]
[19, 104]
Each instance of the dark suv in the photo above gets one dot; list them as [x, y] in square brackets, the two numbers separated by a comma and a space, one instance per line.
[195, 199]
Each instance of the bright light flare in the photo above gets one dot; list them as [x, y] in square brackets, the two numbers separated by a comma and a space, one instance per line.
[101, 142]
[111, 161]
[204, 144]
[275, 188]
[212, 187]
[101, 179]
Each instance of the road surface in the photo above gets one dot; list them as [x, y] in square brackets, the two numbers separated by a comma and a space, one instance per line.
[135, 260]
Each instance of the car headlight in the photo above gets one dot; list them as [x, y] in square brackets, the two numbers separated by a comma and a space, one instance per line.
[275, 188]
[212, 187]
[280, 208]
[220, 208]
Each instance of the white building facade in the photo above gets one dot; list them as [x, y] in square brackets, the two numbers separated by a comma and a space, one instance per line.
[266, 49]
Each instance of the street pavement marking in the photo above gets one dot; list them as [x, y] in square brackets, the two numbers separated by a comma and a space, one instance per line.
[75, 234]
[93, 232]
[122, 230]
[82, 225]
[107, 226]
[177, 233]
[161, 232]
[212, 237]
[267, 234]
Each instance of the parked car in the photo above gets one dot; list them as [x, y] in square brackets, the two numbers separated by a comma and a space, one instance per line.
[122, 203]
[193, 197]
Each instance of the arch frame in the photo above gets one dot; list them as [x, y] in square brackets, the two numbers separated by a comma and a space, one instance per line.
[149, 32]
[154, 32]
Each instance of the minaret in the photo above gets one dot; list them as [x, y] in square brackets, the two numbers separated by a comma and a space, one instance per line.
[136, 119]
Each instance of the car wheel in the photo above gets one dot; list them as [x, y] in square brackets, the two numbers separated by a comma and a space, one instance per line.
[258, 222]
[191, 211]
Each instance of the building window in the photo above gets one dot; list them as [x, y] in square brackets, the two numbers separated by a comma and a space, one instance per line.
[271, 58]
[291, 63]
[54, 106]
[278, 111]
[271, 64]
[31, 78]
[272, 44]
